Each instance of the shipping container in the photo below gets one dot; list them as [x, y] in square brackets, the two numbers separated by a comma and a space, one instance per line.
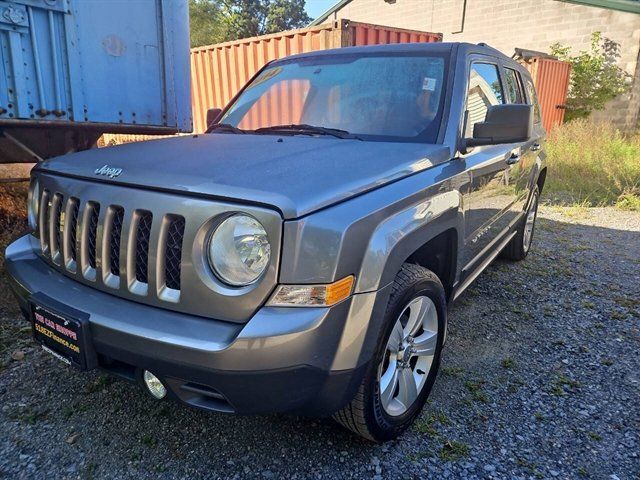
[551, 79]
[219, 71]
[73, 69]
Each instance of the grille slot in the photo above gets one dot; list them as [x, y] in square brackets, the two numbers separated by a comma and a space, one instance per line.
[143, 235]
[73, 229]
[173, 253]
[114, 240]
[92, 234]
[43, 221]
[57, 225]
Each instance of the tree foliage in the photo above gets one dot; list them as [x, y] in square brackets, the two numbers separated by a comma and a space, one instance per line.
[595, 76]
[205, 23]
[215, 21]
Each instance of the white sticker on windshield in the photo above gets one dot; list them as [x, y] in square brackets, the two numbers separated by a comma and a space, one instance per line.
[429, 84]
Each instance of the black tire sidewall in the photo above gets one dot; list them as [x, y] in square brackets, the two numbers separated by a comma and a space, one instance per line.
[535, 197]
[382, 425]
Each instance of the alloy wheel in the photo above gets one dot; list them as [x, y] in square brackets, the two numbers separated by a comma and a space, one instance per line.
[408, 356]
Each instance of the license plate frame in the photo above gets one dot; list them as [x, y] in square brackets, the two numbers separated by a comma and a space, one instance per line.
[62, 331]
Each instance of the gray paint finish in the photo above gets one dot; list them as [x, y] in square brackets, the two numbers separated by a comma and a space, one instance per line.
[331, 207]
[297, 175]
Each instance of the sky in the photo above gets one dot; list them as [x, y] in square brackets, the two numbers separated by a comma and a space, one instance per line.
[316, 7]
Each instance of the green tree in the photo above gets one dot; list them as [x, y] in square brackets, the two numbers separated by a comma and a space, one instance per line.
[215, 21]
[285, 15]
[595, 76]
[206, 22]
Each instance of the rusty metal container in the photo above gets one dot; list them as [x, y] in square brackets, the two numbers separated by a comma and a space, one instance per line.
[219, 71]
[551, 79]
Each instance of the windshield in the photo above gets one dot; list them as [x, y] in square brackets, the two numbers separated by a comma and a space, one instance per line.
[376, 97]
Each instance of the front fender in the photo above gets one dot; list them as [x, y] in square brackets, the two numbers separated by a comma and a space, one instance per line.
[400, 235]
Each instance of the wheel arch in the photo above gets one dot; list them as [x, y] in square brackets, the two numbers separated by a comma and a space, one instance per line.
[411, 236]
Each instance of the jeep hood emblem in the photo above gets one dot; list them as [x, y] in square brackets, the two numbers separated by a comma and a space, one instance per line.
[107, 171]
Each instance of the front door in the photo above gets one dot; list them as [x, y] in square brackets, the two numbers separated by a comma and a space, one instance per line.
[489, 205]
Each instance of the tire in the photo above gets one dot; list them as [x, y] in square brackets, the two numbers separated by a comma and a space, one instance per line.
[520, 245]
[379, 418]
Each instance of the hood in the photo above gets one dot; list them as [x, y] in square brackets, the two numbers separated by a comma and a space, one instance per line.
[295, 174]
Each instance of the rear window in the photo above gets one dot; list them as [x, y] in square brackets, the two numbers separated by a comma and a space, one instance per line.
[513, 86]
[533, 100]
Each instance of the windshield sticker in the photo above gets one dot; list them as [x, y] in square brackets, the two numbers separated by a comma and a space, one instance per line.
[429, 84]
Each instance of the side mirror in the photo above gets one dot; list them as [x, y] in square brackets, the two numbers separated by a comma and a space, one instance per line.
[504, 124]
[212, 115]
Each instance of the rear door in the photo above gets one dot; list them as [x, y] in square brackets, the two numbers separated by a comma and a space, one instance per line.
[491, 198]
[523, 157]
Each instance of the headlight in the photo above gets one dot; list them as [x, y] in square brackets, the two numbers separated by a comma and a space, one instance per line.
[33, 203]
[239, 250]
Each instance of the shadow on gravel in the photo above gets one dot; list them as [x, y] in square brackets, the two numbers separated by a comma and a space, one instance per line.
[539, 377]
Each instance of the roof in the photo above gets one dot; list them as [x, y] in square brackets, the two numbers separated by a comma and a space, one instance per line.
[435, 47]
[631, 6]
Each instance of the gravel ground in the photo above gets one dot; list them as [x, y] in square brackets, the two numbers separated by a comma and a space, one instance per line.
[540, 379]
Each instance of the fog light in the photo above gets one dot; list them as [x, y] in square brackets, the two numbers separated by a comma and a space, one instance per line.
[154, 385]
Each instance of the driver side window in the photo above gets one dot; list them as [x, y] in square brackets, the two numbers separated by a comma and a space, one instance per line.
[485, 90]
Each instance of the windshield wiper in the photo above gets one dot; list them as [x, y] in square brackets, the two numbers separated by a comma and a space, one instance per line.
[225, 127]
[304, 129]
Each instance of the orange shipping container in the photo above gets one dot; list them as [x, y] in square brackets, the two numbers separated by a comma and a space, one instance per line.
[551, 79]
[219, 71]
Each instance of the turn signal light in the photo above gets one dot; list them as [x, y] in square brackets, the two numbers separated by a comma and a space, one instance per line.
[312, 295]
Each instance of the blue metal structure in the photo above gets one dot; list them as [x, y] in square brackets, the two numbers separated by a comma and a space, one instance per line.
[93, 66]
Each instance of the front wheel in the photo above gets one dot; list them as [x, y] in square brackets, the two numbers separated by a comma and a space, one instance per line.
[404, 369]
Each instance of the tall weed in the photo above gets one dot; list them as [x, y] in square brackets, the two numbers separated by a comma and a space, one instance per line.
[593, 163]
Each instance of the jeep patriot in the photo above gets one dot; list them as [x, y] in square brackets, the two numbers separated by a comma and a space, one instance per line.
[299, 256]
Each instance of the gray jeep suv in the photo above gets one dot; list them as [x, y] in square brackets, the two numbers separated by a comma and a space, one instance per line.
[300, 255]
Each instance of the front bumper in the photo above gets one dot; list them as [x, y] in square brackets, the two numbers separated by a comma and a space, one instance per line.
[302, 360]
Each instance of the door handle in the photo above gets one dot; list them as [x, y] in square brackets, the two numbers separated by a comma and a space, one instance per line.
[513, 159]
[535, 147]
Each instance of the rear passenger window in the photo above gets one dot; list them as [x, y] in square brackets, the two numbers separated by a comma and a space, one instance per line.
[513, 87]
[533, 100]
[484, 90]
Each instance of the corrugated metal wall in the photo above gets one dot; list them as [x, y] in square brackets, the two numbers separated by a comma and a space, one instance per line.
[219, 71]
[551, 79]
[77, 62]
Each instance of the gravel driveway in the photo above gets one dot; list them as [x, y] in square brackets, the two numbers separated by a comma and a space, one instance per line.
[540, 379]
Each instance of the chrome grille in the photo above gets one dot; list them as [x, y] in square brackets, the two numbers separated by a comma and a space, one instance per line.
[66, 241]
[146, 246]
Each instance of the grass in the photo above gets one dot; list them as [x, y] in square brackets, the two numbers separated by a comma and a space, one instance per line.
[562, 385]
[13, 214]
[453, 371]
[427, 425]
[593, 164]
[453, 450]
[509, 364]
[475, 389]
